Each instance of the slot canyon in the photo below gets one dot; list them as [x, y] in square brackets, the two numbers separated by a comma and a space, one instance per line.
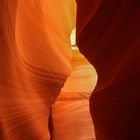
[69, 70]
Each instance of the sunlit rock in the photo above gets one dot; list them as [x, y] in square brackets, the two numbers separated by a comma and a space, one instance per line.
[35, 55]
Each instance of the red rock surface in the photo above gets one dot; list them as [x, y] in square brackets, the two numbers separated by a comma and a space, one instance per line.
[108, 34]
[71, 115]
[35, 55]
[36, 60]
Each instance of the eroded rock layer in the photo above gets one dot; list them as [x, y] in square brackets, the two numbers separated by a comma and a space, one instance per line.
[35, 57]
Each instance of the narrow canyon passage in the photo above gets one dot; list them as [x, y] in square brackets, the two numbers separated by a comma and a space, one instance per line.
[35, 61]
[45, 84]
[71, 115]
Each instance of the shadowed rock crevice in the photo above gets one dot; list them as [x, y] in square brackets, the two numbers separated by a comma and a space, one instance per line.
[110, 38]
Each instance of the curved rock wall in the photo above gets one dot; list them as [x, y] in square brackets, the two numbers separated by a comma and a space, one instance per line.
[35, 61]
[108, 34]
[35, 57]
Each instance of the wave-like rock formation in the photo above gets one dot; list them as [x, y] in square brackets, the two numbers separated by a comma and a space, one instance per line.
[35, 55]
[35, 61]
[71, 115]
[108, 34]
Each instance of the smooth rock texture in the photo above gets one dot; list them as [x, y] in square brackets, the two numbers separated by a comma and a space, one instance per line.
[108, 34]
[36, 59]
[71, 115]
[83, 77]
[35, 56]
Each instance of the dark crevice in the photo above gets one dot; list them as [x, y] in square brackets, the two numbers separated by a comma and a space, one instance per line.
[50, 125]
